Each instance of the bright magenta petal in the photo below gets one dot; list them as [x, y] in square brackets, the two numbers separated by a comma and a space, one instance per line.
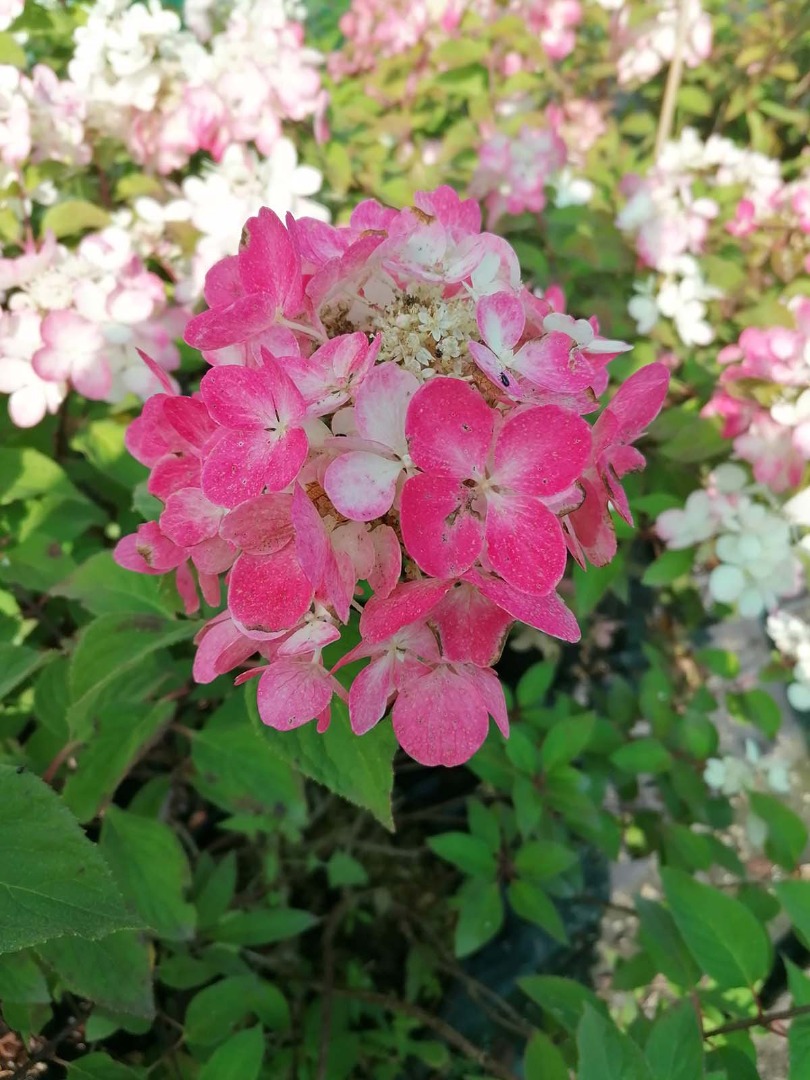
[268, 593]
[242, 464]
[440, 531]
[189, 518]
[555, 363]
[593, 526]
[449, 428]
[408, 603]
[547, 613]
[472, 628]
[525, 543]
[541, 450]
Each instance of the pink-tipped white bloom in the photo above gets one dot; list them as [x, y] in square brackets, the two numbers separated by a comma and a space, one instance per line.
[389, 411]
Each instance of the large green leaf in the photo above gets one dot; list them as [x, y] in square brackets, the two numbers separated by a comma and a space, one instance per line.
[794, 896]
[107, 651]
[358, 768]
[240, 1058]
[564, 999]
[606, 1054]
[122, 735]
[661, 938]
[114, 972]
[152, 871]
[215, 1010]
[102, 1067]
[105, 588]
[674, 1049]
[54, 880]
[722, 934]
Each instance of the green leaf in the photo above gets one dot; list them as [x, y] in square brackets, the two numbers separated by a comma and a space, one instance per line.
[359, 769]
[344, 870]
[723, 936]
[799, 1032]
[566, 741]
[17, 664]
[542, 1060]
[787, 833]
[469, 853]
[674, 1049]
[74, 216]
[240, 773]
[114, 972]
[262, 927]
[534, 905]
[54, 880]
[11, 53]
[105, 588]
[563, 999]
[102, 1067]
[794, 896]
[534, 684]
[239, 1058]
[660, 937]
[756, 707]
[721, 662]
[668, 567]
[541, 860]
[696, 440]
[109, 648]
[216, 1010]
[645, 755]
[605, 1053]
[214, 891]
[21, 980]
[480, 916]
[25, 474]
[122, 734]
[152, 871]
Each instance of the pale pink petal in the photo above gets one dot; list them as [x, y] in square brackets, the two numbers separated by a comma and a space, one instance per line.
[311, 637]
[292, 692]
[449, 428]
[472, 628]
[370, 690]
[187, 589]
[212, 557]
[437, 721]
[223, 326]
[221, 648]
[260, 526]
[362, 486]
[268, 593]
[489, 363]
[440, 530]
[500, 320]
[410, 602]
[525, 543]
[382, 403]
[387, 562]
[148, 551]
[189, 518]
[312, 545]
[239, 398]
[541, 450]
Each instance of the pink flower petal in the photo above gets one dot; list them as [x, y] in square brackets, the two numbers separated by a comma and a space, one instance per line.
[525, 543]
[541, 450]
[292, 692]
[362, 486]
[268, 593]
[312, 545]
[437, 721]
[552, 362]
[488, 687]
[501, 320]
[381, 405]
[440, 531]
[269, 262]
[242, 464]
[221, 648]
[547, 613]
[189, 518]
[260, 526]
[387, 561]
[593, 526]
[449, 428]
[472, 628]
[240, 320]
[369, 694]
[410, 602]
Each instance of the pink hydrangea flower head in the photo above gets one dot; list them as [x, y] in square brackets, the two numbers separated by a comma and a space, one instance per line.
[391, 426]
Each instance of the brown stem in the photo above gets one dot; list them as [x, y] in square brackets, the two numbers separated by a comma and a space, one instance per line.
[763, 1020]
[333, 922]
[673, 80]
[60, 759]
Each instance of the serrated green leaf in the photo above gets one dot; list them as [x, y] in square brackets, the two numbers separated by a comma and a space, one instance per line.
[605, 1053]
[114, 972]
[542, 1060]
[54, 880]
[659, 935]
[262, 927]
[18, 663]
[359, 769]
[534, 905]
[674, 1048]
[563, 999]
[469, 853]
[216, 1010]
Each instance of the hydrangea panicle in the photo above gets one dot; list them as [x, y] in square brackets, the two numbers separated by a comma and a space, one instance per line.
[388, 405]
